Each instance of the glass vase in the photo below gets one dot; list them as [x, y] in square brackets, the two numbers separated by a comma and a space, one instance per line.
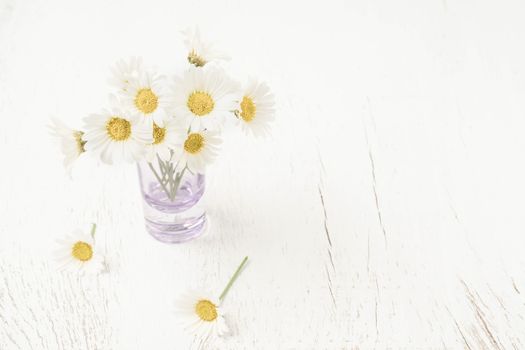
[173, 209]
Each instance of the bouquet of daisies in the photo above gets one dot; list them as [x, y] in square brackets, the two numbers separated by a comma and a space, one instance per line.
[172, 124]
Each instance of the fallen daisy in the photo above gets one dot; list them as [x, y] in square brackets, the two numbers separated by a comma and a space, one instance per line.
[78, 253]
[203, 315]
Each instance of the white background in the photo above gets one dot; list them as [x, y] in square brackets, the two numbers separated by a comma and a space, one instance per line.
[385, 212]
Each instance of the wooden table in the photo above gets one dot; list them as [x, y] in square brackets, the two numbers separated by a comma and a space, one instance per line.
[385, 212]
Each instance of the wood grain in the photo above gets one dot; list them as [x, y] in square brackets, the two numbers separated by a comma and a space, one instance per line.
[385, 211]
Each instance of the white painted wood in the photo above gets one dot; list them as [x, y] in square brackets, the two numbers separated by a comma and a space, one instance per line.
[385, 212]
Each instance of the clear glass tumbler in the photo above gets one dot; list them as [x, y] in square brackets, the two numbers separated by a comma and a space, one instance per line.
[173, 209]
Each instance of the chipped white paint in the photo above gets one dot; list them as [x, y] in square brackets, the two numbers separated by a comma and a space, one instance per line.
[385, 212]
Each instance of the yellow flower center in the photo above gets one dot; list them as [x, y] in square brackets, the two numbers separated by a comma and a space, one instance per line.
[194, 143]
[118, 129]
[247, 109]
[146, 101]
[158, 134]
[206, 310]
[80, 143]
[200, 103]
[195, 59]
[82, 251]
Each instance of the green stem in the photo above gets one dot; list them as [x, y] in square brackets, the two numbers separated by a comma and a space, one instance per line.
[169, 176]
[176, 184]
[173, 181]
[159, 180]
[233, 278]
[93, 229]
[162, 168]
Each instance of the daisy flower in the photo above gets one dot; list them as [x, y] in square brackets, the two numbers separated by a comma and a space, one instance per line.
[125, 71]
[165, 138]
[256, 108]
[196, 149]
[142, 93]
[202, 315]
[200, 52]
[203, 97]
[71, 141]
[115, 137]
[78, 253]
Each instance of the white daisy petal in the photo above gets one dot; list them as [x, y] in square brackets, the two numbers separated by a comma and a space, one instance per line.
[125, 71]
[196, 149]
[71, 141]
[115, 137]
[78, 253]
[256, 109]
[165, 138]
[141, 91]
[203, 97]
[202, 317]
[201, 52]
